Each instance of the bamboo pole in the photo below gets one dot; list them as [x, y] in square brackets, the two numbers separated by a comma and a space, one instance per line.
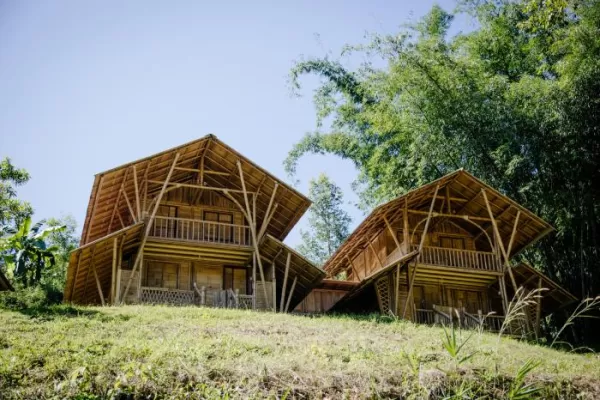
[274, 280]
[266, 222]
[112, 217]
[137, 193]
[75, 278]
[391, 232]
[405, 227]
[252, 229]
[268, 215]
[538, 309]
[87, 275]
[287, 305]
[98, 284]
[375, 253]
[96, 199]
[113, 277]
[499, 239]
[424, 235]
[285, 277]
[129, 206]
[138, 256]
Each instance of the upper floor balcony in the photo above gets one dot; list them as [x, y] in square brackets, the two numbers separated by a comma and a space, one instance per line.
[459, 258]
[200, 231]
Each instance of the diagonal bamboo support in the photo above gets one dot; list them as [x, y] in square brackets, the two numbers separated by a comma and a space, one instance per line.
[140, 251]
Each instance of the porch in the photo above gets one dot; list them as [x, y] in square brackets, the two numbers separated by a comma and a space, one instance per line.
[200, 296]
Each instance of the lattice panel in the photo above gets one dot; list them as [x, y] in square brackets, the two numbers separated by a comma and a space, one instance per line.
[382, 287]
[161, 296]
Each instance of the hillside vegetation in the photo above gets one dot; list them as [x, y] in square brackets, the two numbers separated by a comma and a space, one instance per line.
[171, 352]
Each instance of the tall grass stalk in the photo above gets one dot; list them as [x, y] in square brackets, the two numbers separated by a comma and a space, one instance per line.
[582, 311]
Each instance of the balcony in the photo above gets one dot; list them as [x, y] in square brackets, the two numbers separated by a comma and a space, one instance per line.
[446, 316]
[200, 231]
[458, 258]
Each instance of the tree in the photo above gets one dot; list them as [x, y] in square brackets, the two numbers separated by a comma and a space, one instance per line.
[64, 241]
[328, 222]
[515, 102]
[27, 250]
[12, 210]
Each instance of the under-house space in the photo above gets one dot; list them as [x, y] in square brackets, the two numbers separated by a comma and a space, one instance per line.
[199, 224]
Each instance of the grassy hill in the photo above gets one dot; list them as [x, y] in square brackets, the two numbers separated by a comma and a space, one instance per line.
[144, 351]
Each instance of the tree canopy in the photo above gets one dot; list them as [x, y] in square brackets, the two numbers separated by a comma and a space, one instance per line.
[516, 102]
[328, 222]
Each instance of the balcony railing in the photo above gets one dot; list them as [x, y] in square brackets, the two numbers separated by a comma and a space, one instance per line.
[460, 318]
[194, 230]
[458, 258]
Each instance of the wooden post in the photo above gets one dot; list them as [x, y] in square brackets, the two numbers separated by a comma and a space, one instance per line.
[354, 269]
[75, 278]
[287, 305]
[112, 217]
[391, 232]
[113, 276]
[397, 289]
[499, 239]
[252, 230]
[285, 277]
[93, 266]
[274, 280]
[405, 227]
[423, 236]
[449, 207]
[268, 215]
[137, 194]
[96, 198]
[138, 256]
[253, 280]
[129, 205]
[375, 254]
[538, 309]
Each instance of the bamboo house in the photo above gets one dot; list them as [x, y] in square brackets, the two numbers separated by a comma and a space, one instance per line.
[441, 253]
[196, 224]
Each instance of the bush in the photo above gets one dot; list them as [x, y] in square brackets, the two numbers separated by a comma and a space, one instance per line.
[31, 297]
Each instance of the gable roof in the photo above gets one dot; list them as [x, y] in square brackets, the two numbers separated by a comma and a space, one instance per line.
[466, 190]
[219, 164]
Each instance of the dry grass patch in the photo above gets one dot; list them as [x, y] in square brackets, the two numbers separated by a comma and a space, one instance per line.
[178, 352]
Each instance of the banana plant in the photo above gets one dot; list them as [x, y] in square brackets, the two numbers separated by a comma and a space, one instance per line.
[27, 250]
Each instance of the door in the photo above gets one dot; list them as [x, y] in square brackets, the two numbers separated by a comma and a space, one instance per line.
[235, 278]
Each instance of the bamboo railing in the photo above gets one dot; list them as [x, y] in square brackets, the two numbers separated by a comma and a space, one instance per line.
[194, 230]
[458, 258]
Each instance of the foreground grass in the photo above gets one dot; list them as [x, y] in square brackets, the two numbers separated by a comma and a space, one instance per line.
[157, 351]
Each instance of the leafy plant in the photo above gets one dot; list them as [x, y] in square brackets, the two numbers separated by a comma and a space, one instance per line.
[26, 249]
[454, 345]
[518, 389]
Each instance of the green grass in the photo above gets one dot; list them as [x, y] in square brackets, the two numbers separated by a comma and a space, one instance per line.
[171, 352]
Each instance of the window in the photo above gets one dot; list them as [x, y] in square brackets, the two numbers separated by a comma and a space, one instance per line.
[452, 242]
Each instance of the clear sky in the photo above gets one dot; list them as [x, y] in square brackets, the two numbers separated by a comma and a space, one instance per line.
[88, 85]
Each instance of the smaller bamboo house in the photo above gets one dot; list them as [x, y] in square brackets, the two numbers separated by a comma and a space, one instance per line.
[196, 224]
[442, 253]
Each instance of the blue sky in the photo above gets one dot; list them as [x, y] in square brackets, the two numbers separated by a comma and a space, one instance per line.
[89, 85]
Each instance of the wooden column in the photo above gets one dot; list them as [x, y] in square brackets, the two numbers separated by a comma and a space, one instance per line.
[138, 256]
[137, 194]
[423, 236]
[113, 276]
[98, 285]
[538, 309]
[274, 279]
[500, 244]
[250, 220]
[285, 277]
[287, 305]
[405, 227]
[253, 280]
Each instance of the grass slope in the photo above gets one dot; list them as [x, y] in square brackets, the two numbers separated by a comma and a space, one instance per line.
[158, 351]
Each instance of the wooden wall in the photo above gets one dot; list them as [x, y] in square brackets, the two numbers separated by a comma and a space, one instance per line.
[320, 300]
[182, 199]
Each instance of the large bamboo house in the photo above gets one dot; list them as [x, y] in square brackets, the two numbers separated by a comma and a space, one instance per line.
[441, 253]
[196, 224]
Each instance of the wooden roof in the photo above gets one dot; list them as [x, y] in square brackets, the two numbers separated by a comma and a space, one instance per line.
[369, 280]
[465, 191]
[81, 285]
[553, 299]
[4, 283]
[218, 157]
[308, 274]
